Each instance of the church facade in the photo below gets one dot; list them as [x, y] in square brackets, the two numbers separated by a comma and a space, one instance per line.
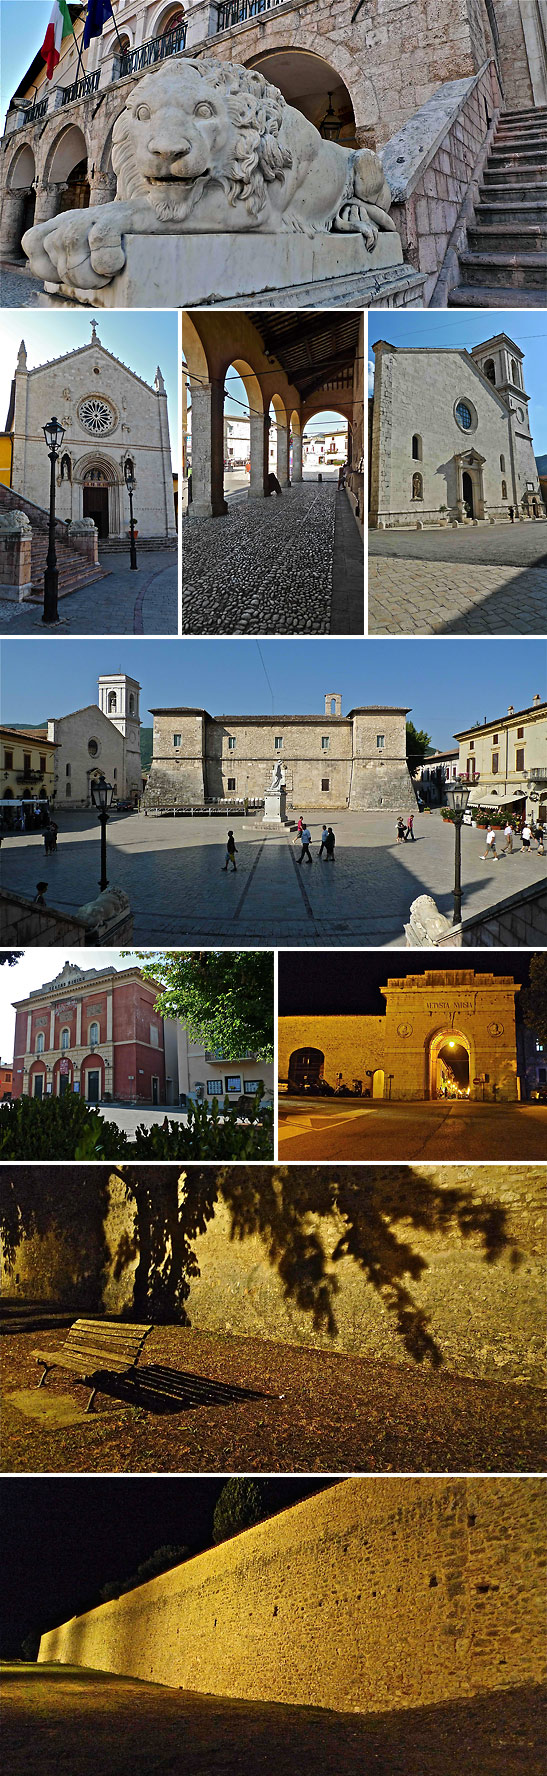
[450, 436]
[102, 740]
[329, 761]
[445, 1033]
[112, 418]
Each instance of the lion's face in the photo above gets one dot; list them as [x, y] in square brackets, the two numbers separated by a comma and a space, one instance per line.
[181, 133]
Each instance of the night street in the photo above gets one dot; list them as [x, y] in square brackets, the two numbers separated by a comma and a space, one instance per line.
[311, 1129]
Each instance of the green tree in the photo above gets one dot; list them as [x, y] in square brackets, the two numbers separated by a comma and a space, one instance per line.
[243, 1502]
[225, 998]
[160, 1561]
[417, 742]
[534, 998]
[10, 957]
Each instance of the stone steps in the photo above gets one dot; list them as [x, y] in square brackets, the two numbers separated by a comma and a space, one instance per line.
[73, 570]
[505, 258]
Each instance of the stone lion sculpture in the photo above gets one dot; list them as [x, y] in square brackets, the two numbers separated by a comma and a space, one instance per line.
[211, 147]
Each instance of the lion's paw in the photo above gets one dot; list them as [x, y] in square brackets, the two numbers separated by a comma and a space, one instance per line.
[353, 218]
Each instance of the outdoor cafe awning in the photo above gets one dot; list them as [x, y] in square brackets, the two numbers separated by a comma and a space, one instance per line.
[476, 800]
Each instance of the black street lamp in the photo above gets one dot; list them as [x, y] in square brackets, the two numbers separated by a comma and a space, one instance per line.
[457, 795]
[53, 433]
[101, 796]
[129, 477]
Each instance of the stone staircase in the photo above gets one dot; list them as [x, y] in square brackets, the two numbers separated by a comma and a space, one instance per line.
[74, 570]
[505, 262]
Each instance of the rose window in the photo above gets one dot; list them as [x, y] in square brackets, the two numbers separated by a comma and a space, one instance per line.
[96, 415]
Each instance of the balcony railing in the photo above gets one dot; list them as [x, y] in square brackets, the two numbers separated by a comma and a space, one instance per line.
[236, 12]
[38, 110]
[81, 89]
[134, 60]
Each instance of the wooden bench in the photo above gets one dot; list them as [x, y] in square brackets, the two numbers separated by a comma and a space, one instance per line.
[94, 1348]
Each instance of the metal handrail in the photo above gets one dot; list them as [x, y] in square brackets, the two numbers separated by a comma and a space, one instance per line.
[80, 89]
[235, 12]
[134, 60]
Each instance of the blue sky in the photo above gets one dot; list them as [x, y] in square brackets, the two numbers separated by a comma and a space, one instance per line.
[140, 339]
[447, 683]
[527, 327]
[23, 25]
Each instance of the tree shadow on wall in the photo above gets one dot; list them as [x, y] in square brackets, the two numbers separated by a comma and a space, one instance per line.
[284, 1206]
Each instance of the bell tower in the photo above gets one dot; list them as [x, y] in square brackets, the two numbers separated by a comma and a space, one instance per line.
[333, 703]
[119, 701]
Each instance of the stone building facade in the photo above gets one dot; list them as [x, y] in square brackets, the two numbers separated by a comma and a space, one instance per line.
[505, 760]
[450, 436]
[29, 765]
[329, 761]
[101, 741]
[380, 62]
[444, 1031]
[93, 1031]
[111, 418]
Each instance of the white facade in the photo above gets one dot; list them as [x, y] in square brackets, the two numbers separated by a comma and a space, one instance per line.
[111, 417]
[119, 701]
[193, 1071]
[451, 436]
[97, 742]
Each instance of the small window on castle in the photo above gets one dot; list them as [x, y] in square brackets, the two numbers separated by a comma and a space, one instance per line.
[325, 784]
[231, 783]
[68, 789]
[504, 490]
[490, 370]
[112, 703]
[380, 742]
[131, 704]
[177, 739]
[278, 743]
[325, 742]
[514, 373]
[417, 447]
[68, 770]
[417, 487]
[231, 743]
[502, 464]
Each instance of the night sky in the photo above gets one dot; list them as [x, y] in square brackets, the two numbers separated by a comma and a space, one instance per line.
[64, 1538]
[350, 980]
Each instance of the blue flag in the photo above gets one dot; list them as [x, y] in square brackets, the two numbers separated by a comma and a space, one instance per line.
[98, 11]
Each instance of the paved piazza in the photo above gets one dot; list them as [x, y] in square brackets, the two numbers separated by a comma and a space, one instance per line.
[489, 580]
[172, 871]
[138, 601]
[407, 1130]
[269, 566]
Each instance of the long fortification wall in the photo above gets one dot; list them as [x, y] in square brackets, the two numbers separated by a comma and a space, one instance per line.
[379, 1594]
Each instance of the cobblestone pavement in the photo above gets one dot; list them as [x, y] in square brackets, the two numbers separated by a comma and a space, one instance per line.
[59, 1719]
[172, 872]
[429, 1131]
[493, 545]
[264, 568]
[408, 597]
[17, 288]
[128, 602]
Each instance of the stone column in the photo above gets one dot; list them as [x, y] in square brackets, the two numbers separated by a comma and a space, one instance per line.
[297, 456]
[83, 536]
[282, 454]
[218, 502]
[102, 189]
[48, 198]
[257, 483]
[12, 224]
[201, 506]
[15, 555]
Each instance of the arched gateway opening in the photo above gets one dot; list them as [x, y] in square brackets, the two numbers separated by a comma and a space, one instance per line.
[306, 1067]
[449, 1065]
[314, 87]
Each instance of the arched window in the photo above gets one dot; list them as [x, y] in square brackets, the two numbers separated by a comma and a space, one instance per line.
[490, 370]
[131, 704]
[502, 464]
[65, 1038]
[504, 490]
[40, 1043]
[417, 487]
[514, 373]
[66, 468]
[93, 1035]
[112, 703]
[417, 447]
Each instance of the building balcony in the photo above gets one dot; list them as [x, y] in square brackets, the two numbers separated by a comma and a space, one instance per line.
[237, 12]
[31, 776]
[80, 89]
[134, 61]
[537, 771]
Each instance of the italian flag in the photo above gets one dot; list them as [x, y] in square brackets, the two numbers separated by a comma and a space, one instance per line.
[59, 26]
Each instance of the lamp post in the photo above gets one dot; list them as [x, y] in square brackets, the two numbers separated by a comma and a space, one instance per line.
[457, 795]
[53, 433]
[101, 796]
[129, 478]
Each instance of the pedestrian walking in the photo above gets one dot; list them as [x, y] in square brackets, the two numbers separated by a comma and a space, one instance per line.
[305, 840]
[540, 836]
[512, 514]
[526, 836]
[231, 852]
[330, 843]
[324, 837]
[300, 823]
[490, 846]
[410, 827]
[508, 836]
[401, 831]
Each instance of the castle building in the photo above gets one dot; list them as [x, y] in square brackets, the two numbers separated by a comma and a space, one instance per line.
[92, 1031]
[450, 435]
[329, 761]
[111, 419]
[445, 1033]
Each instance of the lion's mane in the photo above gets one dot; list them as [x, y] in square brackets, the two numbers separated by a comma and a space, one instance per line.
[254, 107]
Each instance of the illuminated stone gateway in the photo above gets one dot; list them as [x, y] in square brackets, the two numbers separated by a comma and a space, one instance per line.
[445, 1033]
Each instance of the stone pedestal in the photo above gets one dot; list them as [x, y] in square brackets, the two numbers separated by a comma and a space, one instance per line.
[15, 556]
[275, 808]
[189, 270]
[83, 536]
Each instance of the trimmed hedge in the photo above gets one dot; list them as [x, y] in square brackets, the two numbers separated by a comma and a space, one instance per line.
[68, 1128]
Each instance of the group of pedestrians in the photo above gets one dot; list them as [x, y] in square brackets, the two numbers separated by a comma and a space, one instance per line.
[328, 842]
[405, 832]
[527, 834]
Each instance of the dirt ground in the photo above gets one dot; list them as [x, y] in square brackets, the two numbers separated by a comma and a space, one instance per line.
[249, 1405]
[58, 1721]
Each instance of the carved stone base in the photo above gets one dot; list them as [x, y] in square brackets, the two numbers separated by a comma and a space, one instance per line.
[190, 270]
[275, 808]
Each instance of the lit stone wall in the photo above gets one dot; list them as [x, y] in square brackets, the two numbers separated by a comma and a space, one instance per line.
[376, 1595]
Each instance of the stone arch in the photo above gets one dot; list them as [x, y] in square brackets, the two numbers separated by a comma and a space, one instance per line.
[97, 483]
[439, 1041]
[255, 402]
[417, 447]
[22, 170]
[92, 1063]
[306, 1067]
[323, 404]
[19, 205]
[166, 18]
[65, 153]
[490, 370]
[343, 66]
[63, 1080]
[37, 1072]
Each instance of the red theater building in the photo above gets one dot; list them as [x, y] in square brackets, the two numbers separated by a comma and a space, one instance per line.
[92, 1031]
